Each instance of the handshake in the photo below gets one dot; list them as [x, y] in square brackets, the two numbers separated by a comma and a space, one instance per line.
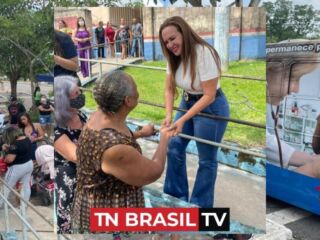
[149, 130]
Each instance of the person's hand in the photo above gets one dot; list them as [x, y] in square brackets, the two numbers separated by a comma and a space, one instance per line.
[5, 147]
[177, 126]
[56, 59]
[147, 130]
[167, 121]
[166, 132]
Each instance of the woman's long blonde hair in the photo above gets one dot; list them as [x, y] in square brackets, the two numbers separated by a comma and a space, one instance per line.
[190, 39]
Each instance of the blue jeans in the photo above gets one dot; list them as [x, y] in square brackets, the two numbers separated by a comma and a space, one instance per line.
[176, 182]
[136, 40]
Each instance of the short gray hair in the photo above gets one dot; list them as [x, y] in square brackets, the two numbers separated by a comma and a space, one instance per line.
[111, 89]
[63, 86]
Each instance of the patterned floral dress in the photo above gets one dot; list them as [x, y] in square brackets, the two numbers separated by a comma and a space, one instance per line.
[65, 179]
[94, 187]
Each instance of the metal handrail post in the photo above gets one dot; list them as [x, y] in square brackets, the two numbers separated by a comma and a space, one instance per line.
[6, 214]
[100, 70]
[24, 227]
[26, 202]
[89, 67]
[21, 217]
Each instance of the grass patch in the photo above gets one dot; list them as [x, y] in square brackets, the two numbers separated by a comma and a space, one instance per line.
[246, 98]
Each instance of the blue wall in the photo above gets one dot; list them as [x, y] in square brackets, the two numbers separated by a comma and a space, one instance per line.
[252, 47]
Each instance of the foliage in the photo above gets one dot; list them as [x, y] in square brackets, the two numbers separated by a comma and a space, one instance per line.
[25, 32]
[288, 21]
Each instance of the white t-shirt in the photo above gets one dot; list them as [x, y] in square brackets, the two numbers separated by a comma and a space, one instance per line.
[206, 70]
[272, 149]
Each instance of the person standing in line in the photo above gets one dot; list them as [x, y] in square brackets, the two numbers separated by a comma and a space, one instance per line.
[99, 31]
[82, 37]
[123, 33]
[136, 30]
[110, 36]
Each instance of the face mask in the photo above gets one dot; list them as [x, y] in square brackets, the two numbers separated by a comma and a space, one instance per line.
[81, 23]
[78, 102]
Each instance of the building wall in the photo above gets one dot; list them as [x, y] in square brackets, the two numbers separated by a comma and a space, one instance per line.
[70, 16]
[247, 30]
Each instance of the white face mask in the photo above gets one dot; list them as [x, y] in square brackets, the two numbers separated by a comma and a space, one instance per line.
[81, 23]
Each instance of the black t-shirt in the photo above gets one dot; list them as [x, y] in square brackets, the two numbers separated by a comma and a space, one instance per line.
[100, 35]
[23, 151]
[69, 51]
[47, 107]
[15, 109]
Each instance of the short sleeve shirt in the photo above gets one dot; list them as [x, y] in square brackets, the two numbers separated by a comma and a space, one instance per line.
[136, 30]
[69, 51]
[22, 149]
[206, 69]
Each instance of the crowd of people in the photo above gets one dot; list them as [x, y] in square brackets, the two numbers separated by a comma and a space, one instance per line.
[20, 140]
[128, 40]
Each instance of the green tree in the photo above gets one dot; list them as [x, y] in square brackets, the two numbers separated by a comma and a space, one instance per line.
[288, 21]
[25, 32]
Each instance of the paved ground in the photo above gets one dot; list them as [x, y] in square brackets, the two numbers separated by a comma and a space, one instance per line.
[23, 92]
[234, 188]
[304, 225]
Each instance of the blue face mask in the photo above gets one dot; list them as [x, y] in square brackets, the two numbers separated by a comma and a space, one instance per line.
[78, 102]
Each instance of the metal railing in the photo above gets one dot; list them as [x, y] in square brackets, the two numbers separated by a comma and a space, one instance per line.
[22, 215]
[129, 43]
[225, 146]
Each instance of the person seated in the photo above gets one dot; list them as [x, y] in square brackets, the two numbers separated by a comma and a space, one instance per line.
[112, 169]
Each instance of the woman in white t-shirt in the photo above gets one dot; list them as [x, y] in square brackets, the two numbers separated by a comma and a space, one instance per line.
[194, 66]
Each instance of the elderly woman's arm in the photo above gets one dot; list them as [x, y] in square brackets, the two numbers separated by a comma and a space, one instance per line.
[127, 164]
[66, 148]
[145, 131]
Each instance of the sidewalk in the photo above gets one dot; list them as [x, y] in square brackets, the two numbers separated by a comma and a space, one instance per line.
[243, 192]
[23, 92]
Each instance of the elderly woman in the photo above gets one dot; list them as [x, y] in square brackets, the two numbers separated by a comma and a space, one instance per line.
[112, 169]
[18, 157]
[68, 101]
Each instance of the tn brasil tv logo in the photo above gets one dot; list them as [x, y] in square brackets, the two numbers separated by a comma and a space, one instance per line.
[159, 219]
